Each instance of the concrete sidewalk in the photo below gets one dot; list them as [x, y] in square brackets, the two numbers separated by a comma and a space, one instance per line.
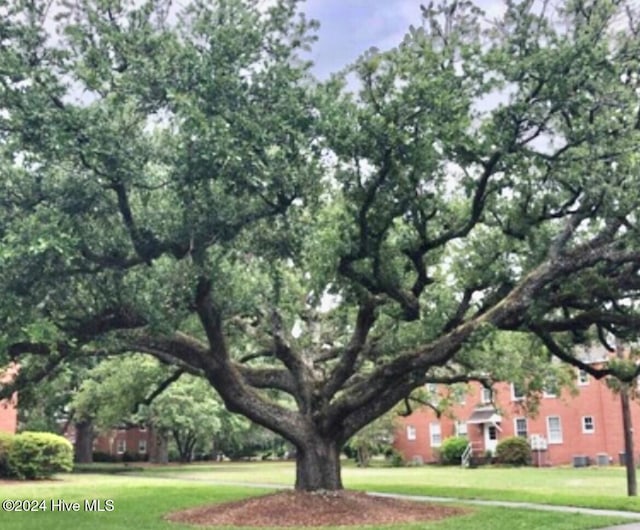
[522, 505]
[630, 526]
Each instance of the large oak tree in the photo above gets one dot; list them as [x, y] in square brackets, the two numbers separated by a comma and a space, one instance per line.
[177, 184]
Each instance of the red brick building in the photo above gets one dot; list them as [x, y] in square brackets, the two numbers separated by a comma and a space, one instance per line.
[587, 424]
[129, 443]
[8, 408]
[132, 441]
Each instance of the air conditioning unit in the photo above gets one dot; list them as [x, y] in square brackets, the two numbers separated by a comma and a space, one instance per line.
[580, 461]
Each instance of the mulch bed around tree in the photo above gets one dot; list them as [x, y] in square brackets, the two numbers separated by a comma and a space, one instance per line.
[300, 509]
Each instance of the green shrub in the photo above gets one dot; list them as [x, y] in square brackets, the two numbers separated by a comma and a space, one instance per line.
[395, 458]
[452, 448]
[6, 441]
[101, 456]
[514, 451]
[39, 455]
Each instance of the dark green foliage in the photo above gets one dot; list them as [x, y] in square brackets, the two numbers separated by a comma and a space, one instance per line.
[134, 457]
[6, 441]
[395, 458]
[34, 455]
[514, 451]
[99, 456]
[452, 449]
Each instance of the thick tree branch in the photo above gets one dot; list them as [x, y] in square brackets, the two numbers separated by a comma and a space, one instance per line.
[166, 383]
[345, 366]
[556, 350]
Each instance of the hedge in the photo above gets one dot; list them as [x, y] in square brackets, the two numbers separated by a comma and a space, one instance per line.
[514, 451]
[6, 441]
[452, 449]
[33, 455]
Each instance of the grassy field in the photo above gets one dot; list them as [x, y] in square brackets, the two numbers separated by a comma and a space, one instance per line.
[140, 499]
[141, 502]
[588, 487]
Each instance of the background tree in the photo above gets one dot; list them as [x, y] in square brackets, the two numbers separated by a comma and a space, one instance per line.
[189, 412]
[376, 438]
[138, 390]
[179, 186]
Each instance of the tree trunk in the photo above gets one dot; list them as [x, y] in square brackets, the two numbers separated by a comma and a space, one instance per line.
[318, 466]
[158, 447]
[630, 465]
[83, 453]
[627, 428]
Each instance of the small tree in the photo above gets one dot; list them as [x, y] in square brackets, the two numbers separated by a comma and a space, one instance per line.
[375, 438]
[188, 411]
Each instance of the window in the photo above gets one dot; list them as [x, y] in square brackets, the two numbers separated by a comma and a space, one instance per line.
[554, 430]
[588, 426]
[411, 432]
[121, 446]
[493, 432]
[432, 393]
[583, 377]
[520, 425]
[461, 428]
[550, 388]
[142, 446]
[436, 434]
[517, 392]
[486, 395]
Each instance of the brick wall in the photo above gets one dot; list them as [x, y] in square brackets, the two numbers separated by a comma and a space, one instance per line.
[590, 423]
[8, 408]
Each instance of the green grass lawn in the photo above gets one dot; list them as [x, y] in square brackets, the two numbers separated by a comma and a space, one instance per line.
[588, 487]
[141, 502]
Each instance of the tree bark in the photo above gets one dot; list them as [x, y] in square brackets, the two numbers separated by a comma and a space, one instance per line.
[83, 453]
[318, 465]
[627, 427]
[630, 465]
[158, 447]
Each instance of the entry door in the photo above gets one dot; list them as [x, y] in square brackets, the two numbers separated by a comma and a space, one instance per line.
[490, 437]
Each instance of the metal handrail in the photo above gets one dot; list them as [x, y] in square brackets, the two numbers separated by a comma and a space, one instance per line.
[466, 455]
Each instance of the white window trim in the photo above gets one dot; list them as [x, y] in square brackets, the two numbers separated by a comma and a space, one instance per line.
[121, 446]
[546, 394]
[483, 398]
[459, 431]
[550, 440]
[513, 393]
[593, 425]
[580, 381]
[515, 427]
[142, 447]
[411, 433]
[437, 431]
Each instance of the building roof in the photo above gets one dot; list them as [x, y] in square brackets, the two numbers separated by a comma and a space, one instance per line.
[486, 415]
[592, 353]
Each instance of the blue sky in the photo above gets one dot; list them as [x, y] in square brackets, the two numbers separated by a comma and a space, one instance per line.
[350, 27]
